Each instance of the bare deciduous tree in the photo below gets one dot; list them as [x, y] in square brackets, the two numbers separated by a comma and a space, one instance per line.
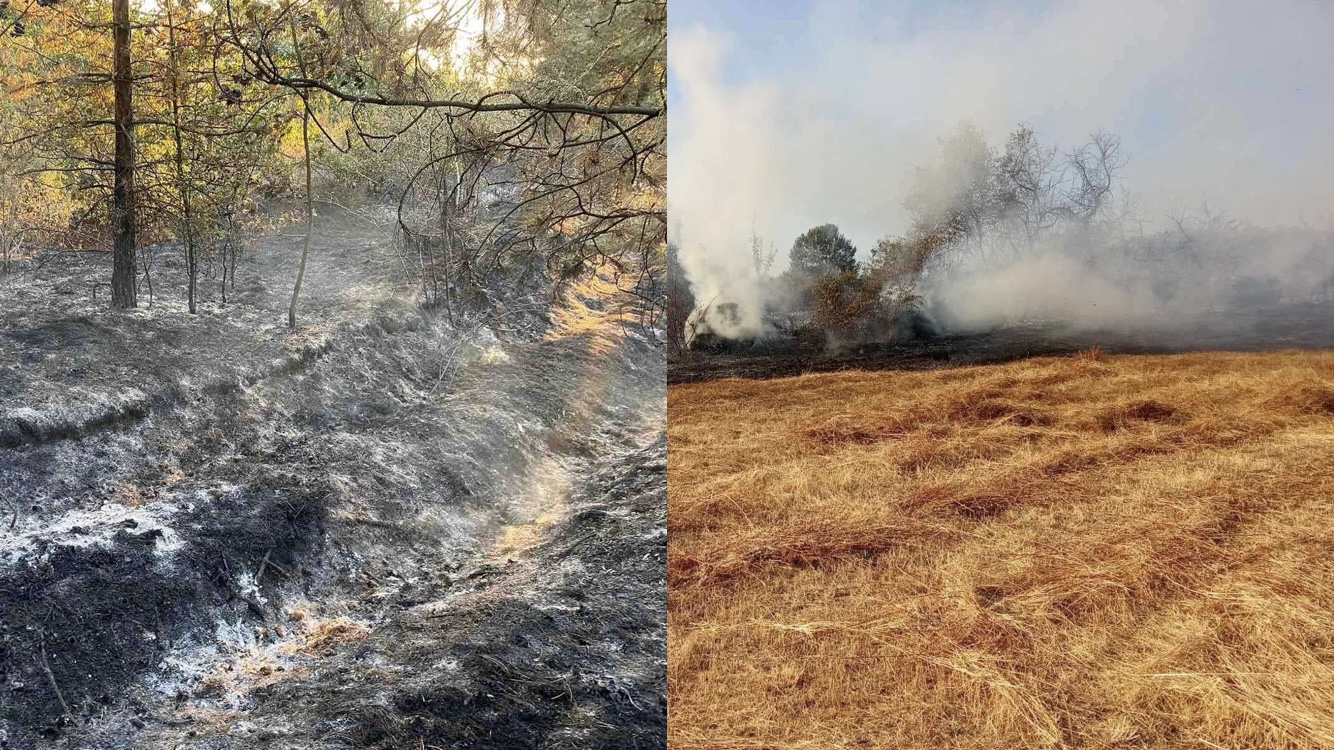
[1095, 166]
[1030, 184]
[762, 257]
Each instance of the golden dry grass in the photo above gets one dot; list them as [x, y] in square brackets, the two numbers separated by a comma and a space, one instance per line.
[1090, 551]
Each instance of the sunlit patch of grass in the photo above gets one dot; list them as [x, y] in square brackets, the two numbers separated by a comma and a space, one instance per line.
[591, 308]
[324, 634]
[1087, 551]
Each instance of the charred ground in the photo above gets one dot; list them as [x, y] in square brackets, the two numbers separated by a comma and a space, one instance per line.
[1250, 328]
[218, 533]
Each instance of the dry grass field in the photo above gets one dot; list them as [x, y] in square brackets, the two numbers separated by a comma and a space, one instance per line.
[1078, 552]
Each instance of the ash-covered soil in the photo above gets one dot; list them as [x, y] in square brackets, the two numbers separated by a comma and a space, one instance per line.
[383, 530]
[1304, 325]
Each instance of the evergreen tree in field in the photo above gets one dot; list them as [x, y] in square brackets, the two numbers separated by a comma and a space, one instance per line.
[822, 250]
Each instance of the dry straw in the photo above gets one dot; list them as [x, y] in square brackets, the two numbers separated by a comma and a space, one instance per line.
[1092, 551]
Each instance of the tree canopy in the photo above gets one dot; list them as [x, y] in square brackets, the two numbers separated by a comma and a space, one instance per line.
[442, 110]
[823, 249]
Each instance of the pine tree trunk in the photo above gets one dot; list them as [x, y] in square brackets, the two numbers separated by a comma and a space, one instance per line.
[122, 258]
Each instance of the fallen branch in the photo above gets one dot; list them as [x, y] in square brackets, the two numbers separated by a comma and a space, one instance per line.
[14, 506]
[51, 677]
[269, 562]
[243, 595]
[263, 565]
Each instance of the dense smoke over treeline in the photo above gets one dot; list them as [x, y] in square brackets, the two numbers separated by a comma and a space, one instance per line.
[1024, 231]
[1138, 161]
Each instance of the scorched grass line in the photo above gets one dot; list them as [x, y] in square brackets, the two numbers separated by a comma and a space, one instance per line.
[1084, 551]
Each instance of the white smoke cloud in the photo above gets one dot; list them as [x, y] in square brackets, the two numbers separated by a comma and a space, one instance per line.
[1224, 101]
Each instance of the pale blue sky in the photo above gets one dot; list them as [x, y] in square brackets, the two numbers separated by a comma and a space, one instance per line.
[774, 33]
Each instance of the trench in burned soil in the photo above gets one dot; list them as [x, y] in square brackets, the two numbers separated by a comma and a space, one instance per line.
[181, 571]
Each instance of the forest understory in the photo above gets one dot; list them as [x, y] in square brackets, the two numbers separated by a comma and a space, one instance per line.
[385, 529]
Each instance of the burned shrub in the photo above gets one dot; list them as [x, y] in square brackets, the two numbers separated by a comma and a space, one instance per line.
[910, 323]
[711, 343]
[680, 302]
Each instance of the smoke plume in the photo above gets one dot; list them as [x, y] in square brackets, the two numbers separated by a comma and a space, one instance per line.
[1222, 109]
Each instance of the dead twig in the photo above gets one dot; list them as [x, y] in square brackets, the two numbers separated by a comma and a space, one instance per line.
[269, 562]
[263, 564]
[50, 676]
[250, 600]
[13, 506]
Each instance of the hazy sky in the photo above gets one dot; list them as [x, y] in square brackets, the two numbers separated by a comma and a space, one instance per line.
[790, 114]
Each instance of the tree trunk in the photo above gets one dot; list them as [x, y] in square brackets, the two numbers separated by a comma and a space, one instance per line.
[310, 217]
[226, 250]
[183, 184]
[148, 278]
[122, 258]
[447, 244]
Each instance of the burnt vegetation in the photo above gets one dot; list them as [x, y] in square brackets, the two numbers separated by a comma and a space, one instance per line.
[1012, 251]
[323, 325]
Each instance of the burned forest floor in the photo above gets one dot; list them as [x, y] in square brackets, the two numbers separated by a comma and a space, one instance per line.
[1302, 325]
[389, 528]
